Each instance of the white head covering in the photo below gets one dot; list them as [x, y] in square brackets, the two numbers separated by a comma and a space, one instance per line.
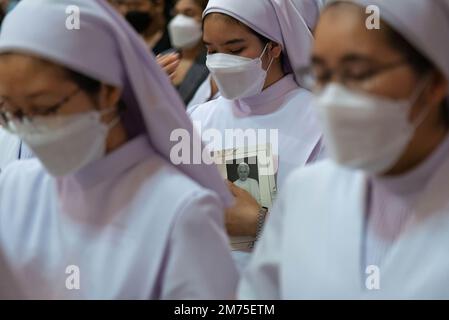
[107, 49]
[287, 22]
[425, 25]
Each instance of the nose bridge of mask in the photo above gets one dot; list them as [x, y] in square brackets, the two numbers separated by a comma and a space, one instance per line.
[60, 122]
[223, 61]
[341, 96]
[336, 95]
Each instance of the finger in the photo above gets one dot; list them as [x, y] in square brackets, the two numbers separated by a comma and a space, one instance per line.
[162, 60]
[172, 76]
[167, 59]
[171, 68]
[236, 191]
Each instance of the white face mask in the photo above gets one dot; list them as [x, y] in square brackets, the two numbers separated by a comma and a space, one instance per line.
[237, 77]
[65, 144]
[366, 132]
[185, 32]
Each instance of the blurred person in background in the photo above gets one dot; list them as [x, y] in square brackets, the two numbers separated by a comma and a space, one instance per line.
[372, 222]
[186, 64]
[102, 193]
[253, 49]
[11, 147]
[149, 18]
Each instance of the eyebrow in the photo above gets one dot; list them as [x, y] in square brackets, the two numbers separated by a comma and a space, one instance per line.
[31, 95]
[38, 93]
[317, 60]
[233, 41]
[350, 58]
[356, 58]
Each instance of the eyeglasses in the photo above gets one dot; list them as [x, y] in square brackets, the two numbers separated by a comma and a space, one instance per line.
[6, 115]
[313, 80]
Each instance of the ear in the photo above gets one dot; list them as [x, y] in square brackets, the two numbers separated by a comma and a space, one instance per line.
[275, 50]
[109, 96]
[438, 90]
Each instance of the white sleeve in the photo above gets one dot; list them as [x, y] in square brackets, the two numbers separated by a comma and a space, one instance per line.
[9, 148]
[199, 263]
[261, 279]
[319, 153]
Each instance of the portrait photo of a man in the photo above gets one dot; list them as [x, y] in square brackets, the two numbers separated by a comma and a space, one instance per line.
[245, 178]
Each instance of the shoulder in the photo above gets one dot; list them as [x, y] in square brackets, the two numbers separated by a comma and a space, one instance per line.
[301, 93]
[299, 100]
[194, 207]
[205, 110]
[318, 177]
[172, 188]
[25, 186]
[23, 173]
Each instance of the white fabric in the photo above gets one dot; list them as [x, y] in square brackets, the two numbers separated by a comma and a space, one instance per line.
[8, 287]
[139, 230]
[299, 136]
[295, 121]
[11, 149]
[312, 245]
[202, 95]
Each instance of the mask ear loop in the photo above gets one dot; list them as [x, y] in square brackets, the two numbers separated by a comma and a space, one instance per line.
[108, 111]
[415, 98]
[263, 53]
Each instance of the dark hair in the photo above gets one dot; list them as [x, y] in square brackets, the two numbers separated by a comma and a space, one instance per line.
[168, 7]
[418, 61]
[89, 85]
[264, 40]
[201, 3]
[85, 83]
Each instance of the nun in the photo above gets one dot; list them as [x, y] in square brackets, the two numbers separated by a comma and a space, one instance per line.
[253, 66]
[373, 221]
[102, 213]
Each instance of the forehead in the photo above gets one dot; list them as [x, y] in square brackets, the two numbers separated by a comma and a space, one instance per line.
[342, 30]
[28, 71]
[26, 64]
[186, 4]
[215, 23]
[131, 2]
